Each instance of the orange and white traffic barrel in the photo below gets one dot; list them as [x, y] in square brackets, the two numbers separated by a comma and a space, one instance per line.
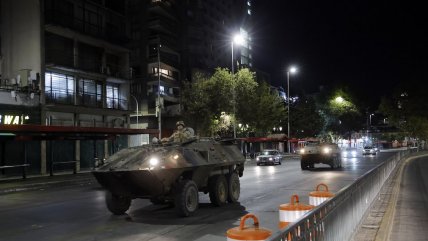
[243, 233]
[292, 211]
[318, 196]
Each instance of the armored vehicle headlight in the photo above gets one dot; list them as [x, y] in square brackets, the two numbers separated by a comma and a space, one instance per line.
[270, 158]
[154, 161]
[327, 150]
[257, 158]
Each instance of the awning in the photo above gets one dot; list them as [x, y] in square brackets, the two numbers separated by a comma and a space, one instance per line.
[39, 132]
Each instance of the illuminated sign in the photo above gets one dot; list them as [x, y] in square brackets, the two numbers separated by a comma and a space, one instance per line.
[13, 119]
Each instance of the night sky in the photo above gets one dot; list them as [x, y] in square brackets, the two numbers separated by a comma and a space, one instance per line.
[369, 46]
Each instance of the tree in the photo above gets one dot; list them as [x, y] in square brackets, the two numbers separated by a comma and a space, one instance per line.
[341, 116]
[267, 110]
[306, 120]
[211, 103]
[407, 109]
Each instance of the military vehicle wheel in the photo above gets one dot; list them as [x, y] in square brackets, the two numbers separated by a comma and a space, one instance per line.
[303, 165]
[334, 163]
[218, 190]
[234, 187]
[186, 199]
[116, 204]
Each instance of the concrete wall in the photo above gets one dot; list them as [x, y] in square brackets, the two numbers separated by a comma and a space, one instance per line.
[21, 42]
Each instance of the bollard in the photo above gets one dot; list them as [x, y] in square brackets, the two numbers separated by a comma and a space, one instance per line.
[292, 211]
[243, 233]
[317, 197]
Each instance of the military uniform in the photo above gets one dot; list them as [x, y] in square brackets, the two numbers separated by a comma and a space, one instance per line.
[180, 135]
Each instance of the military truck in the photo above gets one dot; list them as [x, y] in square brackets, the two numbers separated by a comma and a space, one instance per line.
[173, 173]
[316, 152]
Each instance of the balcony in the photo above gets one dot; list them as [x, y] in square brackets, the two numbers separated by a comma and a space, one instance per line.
[162, 8]
[166, 80]
[162, 25]
[113, 32]
[164, 40]
[63, 59]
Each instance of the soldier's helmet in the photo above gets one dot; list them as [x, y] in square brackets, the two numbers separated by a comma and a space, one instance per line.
[180, 123]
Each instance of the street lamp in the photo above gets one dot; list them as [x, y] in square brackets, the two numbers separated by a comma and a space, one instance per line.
[339, 99]
[370, 116]
[291, 70]
[239, 40]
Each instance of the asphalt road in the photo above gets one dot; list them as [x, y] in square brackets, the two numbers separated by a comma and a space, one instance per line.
[79, 213]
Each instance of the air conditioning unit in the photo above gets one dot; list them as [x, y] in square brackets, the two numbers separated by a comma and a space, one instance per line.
[24, 77]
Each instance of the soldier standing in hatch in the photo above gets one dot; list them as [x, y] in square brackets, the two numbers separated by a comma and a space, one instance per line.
[180, 135]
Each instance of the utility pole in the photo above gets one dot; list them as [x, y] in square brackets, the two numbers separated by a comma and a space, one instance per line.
[158, 106]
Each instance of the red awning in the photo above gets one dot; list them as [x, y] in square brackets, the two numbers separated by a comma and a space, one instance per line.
[39, 132]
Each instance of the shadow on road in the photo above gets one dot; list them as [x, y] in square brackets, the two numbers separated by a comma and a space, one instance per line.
[166, 214]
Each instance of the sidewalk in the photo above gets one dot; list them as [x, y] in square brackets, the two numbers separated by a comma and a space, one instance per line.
[376, 226]
[39, 182]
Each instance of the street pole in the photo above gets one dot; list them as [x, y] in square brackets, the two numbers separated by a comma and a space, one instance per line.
[234, 96]
[138, 126]
[158, 106]
[136, 102]
[288, 111]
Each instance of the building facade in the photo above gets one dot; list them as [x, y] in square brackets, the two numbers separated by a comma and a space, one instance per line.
[64, 63]
[109, 63]
[171, 40]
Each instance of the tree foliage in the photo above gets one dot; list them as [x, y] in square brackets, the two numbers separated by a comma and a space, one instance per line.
[306, 120]
[211, 103]
[407, 109]
[340, 113]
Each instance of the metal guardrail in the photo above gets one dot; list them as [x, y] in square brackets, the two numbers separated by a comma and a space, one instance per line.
[339, 217]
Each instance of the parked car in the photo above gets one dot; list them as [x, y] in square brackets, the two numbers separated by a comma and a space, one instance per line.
[370, 150]
[271, 156]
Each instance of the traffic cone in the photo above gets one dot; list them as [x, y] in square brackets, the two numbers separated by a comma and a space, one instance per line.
[243, 233]
[292, 211]
[317, 197]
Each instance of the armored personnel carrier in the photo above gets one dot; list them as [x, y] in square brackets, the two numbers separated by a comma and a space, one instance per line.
[316, 152]
[174, 173]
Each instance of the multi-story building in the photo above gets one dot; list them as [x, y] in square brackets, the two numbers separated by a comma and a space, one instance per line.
[64, 63]
[173, 39]
[155, 59]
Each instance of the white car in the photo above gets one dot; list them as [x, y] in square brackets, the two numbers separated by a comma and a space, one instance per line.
[271, 156]
[370, 150]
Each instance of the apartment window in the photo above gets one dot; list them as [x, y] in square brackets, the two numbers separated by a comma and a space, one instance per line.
[59, 88]
[112, 96]
[59, 50]
[90, 93]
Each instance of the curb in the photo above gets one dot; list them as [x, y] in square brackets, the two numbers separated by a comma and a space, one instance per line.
[385, 227]
[45, 183]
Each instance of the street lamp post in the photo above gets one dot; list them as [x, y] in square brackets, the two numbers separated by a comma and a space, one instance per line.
[371, 119]
[291, 70]
[158, 106]
[136, 102]
[238, 39]
[138, 113]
